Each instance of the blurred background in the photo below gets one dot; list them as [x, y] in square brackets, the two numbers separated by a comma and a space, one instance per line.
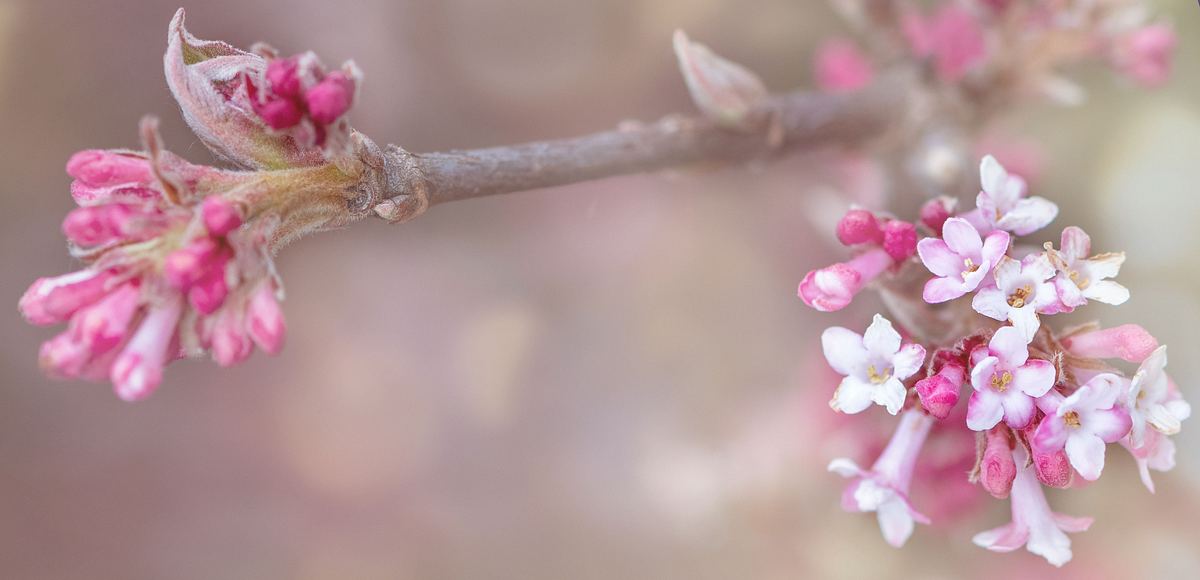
[610, 380]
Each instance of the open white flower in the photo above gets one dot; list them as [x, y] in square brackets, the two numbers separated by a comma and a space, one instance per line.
[874, 364]
[1152, 400]
[1003, 205]
[1082, 278]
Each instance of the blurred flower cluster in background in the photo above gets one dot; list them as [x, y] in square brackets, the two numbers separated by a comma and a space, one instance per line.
[612, 381]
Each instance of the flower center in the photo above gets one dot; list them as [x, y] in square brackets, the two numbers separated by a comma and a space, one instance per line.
[1080, 281]
[1071, 418]
[876, 377]
[1000, 381]
[969, 267]
[1020, 296]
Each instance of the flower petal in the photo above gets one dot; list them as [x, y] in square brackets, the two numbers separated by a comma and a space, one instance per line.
[1163, 420]
[845, 467]
[1009, 346]
[1050, 436]
[1025, 320]
[895, 522]
[1018, 410]
[1068, 292]
[1005, 538]
[981, 373]
[962, 238]
[1076, 243]
[881, 339]
[1028, 215]
[984, 411]
[939, 290]
[852, 396]
[1036, 378]
[939, 258]
[891, 395]
[844, 351]
[908, 361]
[1106, 291]
[991, 303]
[1086, 453]
[995, 246]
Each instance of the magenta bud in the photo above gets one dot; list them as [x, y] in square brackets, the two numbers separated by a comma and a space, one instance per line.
[210, 291]
[283, 77]
[63, 356]
[939, 392]
[997, 470]
[220, 216]
[265, 320]
[936, 211]
[97, 168]
[230, 344]
[1128, 342]
[331, 98]
[859, 226]
[833, 287]
[137, 371]
[899, 239]
[53, 300]
[189, 264]
[1053, 469]
[279, 114]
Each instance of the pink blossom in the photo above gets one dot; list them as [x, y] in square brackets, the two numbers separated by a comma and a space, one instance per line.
[1157, 452]
[54, 300]
[1003, 204]
[1022, 291]
[884, 489]
[1153, 402]
[1128, 342]
[833, 287]
[264, 319]
[137, 372]
[859, 226]
[1084, 422]
[1145, 54]
[874, 365]
[939, 392]
[961, 260]
[840, 67]
[1006, 382]
[1080, 277]
[1033, 525]
[297, 97]
[952, 37]
[997, 470]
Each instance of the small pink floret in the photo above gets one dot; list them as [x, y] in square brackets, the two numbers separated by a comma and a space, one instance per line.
[899, 240]
[331, 98]
[264, 320]
[220, 216]
[859, 226]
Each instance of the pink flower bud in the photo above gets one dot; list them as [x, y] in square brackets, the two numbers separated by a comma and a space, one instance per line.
[283, 77]
[265, 320]
[102, 224]
[220, 216]
[137, 372]
[833, 287]
[104, 325]
[936, 211]
[939, 392]
[841, 67]
[63, 356]
[331, 98]
[1128, 342]
[97, 168]
[209, 292]
[899, 240]
[187, 265]
[277, 113]
[53, 300]
[997, 470]
[230, 344]
[1053, 469]
[859, 226]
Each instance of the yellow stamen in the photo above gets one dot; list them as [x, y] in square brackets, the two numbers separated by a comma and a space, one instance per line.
[1000, 381]
[875, 377]
[1071, 418]
[1080, 282]
[1019, 296]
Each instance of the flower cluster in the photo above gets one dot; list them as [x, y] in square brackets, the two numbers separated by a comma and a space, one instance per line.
[179, 256]
[1044, 403]
[1008, 45]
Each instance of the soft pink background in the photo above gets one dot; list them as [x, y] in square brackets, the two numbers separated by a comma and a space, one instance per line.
[610, 380]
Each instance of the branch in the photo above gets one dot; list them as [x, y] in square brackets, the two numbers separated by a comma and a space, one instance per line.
[412, 182]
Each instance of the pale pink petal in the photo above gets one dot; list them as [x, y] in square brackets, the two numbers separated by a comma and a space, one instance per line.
[961, 237]
[895, 522]
[891, 395]
[908, 361]
[1038, 267]
[939, 258]
[1009, 346]
[852, 396]
[1110, 425]
[1068, 293]
[1050, 436]
[1007, 272]
[880, 338]
[939, 290]
[1036, 378]
[844, 350]
[1025, 320]
[1072, 524]
[1086, 453]
[1076, 243]
[1029, 215]
[991, 303]
[1105, 266]
[992, 175]
[1164, 420]
[981, 372]
[1018, 410]
[995, 246]
[976, 218]
[845, 467]
[984, 411]
[1005, 538]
